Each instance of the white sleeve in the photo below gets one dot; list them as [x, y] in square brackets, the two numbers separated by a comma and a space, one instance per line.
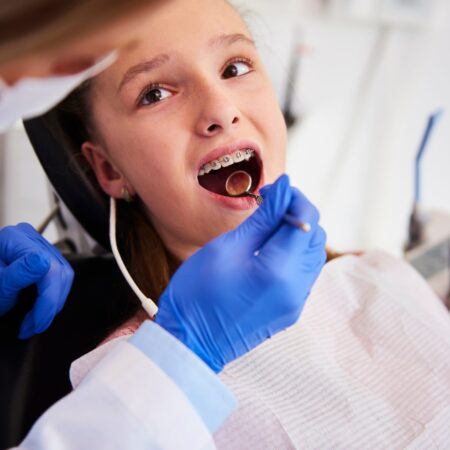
[149, 392]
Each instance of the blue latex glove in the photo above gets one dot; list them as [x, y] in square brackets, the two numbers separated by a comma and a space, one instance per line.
[26, 258]
[224, 300]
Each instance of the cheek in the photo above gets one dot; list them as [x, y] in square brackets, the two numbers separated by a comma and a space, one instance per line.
[155, 170]
[272, 127]
[149, 169]
[141, 152]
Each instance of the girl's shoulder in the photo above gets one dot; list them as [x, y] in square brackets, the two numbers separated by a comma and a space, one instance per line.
[83, 365]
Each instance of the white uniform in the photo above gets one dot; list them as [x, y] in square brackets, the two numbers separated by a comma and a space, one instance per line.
[149, 392]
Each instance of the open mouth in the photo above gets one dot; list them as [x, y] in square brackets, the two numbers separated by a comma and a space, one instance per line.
[214, 174]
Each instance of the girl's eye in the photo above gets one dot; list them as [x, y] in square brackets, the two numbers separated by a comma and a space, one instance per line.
[154, 95]
[236, 69]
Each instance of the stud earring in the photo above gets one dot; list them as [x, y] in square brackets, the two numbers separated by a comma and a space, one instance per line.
[126, 195]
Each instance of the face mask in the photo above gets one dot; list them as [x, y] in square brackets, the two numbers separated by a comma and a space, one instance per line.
[31, 97]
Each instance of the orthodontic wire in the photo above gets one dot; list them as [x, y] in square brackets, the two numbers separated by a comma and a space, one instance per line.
[147, 303]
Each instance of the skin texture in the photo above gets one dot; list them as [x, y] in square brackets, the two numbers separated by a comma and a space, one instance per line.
[82, 52]
[155, 148]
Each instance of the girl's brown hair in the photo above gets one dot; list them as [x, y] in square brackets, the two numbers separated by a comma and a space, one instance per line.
[29, 26]
[149, 262]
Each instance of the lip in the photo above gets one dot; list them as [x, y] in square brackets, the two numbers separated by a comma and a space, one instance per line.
[237, 203]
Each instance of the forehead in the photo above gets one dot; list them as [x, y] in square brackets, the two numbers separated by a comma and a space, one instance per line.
[178, 30]
[195, 15]
[185, 25]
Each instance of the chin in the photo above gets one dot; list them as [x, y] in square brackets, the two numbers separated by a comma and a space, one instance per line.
[227, 224]
[233, 222]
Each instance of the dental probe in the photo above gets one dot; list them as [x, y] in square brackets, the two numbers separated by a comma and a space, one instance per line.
[240, 182]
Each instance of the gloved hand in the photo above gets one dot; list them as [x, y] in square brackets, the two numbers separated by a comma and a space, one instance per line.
[226, 299]
[26, 258]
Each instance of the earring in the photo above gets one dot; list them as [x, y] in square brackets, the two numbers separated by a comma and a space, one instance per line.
[126, 195]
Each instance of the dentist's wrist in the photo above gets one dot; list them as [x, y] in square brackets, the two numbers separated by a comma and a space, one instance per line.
[190, 373]
[177, 328]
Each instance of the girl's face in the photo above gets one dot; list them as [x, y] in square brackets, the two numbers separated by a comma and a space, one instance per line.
[192, 91]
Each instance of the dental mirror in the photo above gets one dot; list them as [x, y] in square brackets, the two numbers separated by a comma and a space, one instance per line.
[239, 183]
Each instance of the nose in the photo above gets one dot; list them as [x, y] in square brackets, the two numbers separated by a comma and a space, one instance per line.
[218, 112]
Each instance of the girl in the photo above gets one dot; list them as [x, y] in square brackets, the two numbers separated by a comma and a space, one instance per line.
[368, 365]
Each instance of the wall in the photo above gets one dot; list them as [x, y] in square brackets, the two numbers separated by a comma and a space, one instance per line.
[364, 91]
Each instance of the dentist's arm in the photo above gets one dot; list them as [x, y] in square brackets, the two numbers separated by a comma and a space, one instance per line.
[157, 390]
[26, 258]
[149, 392]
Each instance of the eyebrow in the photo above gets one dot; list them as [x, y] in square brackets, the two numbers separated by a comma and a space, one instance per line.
[159, 60]
[143, 67]
[228, 39]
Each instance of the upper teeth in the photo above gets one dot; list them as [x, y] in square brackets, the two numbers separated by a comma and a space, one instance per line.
[227, 160]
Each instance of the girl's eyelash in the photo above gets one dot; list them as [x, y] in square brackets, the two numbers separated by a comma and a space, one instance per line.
[239, 59]
[146, 90]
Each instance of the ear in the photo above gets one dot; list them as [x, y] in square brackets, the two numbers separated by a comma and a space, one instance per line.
[108, 176]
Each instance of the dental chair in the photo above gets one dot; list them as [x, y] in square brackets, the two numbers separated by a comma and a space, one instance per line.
[34, 374]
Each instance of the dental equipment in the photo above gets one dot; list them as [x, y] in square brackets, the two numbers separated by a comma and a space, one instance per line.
[239, 183]
[415, 230]
[428, 245]
[147, 303]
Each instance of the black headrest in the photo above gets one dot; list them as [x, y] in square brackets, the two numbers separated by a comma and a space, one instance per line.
[77, 188]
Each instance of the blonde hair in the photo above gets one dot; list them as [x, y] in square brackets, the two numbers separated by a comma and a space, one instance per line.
[29, 26]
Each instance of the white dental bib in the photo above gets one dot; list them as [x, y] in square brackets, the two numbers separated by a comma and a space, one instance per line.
[367, 366]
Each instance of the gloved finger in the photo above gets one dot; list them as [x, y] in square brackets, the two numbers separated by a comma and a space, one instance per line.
[40, 241]
[53, 291]
[266, 188]
[313, 259]
[288, 236]
[19, 240]
[40, 316]
[319, 239]
[253, 232]
[52, 294]
[287, 243]
[27, 328]
[23, 272]
[14, 244]
[302, 209]
[60, 263]
[69, 276]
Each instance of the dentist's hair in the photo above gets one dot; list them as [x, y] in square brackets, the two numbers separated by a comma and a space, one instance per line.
[29, 26]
